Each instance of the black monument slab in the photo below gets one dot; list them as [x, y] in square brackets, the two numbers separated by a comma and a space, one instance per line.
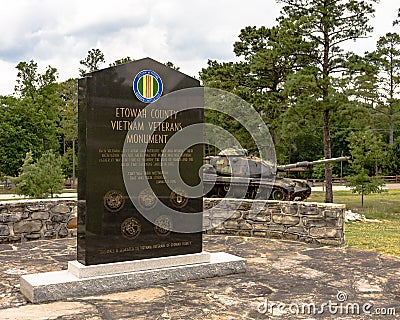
[123, 193]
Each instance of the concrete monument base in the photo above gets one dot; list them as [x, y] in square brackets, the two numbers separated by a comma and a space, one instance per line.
[80, 280]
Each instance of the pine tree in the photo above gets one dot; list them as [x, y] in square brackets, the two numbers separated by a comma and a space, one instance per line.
[324, 25]
[42, 178]
[366, 153]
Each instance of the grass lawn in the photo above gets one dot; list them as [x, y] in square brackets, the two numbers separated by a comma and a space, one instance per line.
[383, 236]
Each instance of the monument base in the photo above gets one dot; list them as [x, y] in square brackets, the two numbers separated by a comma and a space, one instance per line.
[80, 280]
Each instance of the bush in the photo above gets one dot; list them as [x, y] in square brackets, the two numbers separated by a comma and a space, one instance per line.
[42, 178]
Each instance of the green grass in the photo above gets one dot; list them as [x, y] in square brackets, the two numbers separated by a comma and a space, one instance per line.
[382, 236]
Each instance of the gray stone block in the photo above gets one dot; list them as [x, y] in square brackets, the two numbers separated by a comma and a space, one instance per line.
[27, 226]
[40, 215]
[286, 220]
[82, 271]
[61, 209]
[36, 206]
[51, 286]
[4, 230]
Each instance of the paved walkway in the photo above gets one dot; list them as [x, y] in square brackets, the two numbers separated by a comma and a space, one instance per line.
[294, 276]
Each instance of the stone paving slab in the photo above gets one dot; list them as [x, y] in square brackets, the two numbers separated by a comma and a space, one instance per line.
[291, 275]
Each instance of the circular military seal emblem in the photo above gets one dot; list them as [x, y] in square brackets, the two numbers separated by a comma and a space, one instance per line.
[147, 86]
[131, 228]
[163, 225]
[147, 199]
[178, 198]
[114, 200]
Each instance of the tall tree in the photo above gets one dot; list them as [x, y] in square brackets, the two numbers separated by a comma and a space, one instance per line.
[228, 76]
[325, 25]
[91, 62]
[15, 137]
[30, 83]
[258, 78]
[29, 119]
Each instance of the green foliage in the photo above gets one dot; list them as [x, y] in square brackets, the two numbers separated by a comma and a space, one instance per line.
[319, 172]
[42, 178]
[397, 21]
[387, 59]
[258, 80]
[391, 163]
[68, 91]
[226, 103]
[375, 84]
[288, 71]
[121, 61]
[91, 62]
[366, 149]
[363, 184]
[29, 120]
[67, 163]
[31, 84]
[171, 65]
[298, 136]
[322, 26]
[366, 153]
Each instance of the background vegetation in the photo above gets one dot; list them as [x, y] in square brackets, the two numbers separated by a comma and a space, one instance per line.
[317, 99]
[380, 232]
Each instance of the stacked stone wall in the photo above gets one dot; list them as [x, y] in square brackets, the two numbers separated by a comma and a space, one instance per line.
[32, 220]
[320, 223]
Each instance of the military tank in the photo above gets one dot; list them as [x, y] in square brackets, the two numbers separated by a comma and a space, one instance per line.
[232, 173]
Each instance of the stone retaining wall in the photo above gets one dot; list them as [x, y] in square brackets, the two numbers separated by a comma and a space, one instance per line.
[308, 222]
[302, 221]
[35, 219]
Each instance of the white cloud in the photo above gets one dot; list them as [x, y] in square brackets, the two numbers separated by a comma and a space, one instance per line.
[60, 33]
[8, 76]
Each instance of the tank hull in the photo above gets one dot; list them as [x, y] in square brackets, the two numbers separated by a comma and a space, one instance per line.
[281, 189]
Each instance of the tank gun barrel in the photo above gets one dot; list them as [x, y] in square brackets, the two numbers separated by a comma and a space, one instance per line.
[310, 163]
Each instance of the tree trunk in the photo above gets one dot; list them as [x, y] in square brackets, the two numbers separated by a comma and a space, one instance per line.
[362, 197]
[391, 134]
[327, 154]
[73, 163]
[327, 131]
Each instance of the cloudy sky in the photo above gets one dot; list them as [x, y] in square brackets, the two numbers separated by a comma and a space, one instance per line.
[188, 33]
